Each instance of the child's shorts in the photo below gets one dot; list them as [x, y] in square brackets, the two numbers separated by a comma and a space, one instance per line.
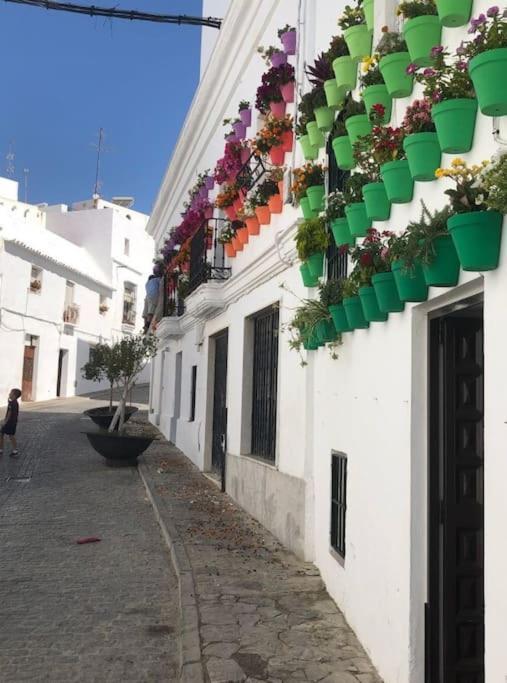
[9, 429]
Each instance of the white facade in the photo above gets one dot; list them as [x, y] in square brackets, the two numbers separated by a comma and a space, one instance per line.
[371, 403]
[82, 256]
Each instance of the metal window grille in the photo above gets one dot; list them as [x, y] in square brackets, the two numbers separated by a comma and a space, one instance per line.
[337, 264]
[129, 304]
[265, 383]
[338, 501]
[193, 385]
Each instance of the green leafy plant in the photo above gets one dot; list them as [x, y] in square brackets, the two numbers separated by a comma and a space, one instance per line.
[390, 43]
[353, 108]
[244, 104]
[305, 109]
[335, 205]
[352, 16]
[410, 9]
[318, 97]
[311, 238]
[354, 187]
[421, 234]
[331, 293]
[267, 52]
[338, 129]
[494, 184]
[337, 48]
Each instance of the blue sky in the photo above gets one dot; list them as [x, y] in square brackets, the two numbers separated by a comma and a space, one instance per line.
[64, 76]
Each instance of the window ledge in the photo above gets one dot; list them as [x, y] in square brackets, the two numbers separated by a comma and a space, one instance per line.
[337, 556]
[257, 460]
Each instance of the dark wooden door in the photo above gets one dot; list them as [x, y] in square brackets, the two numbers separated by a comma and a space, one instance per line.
[220, 405]
[60, 368]
[27, 385]
[456, 495]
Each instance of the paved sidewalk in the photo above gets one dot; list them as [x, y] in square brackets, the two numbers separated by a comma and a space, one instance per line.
[258, 612]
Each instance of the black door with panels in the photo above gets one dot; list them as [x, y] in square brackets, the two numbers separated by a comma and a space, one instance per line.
[221, 342]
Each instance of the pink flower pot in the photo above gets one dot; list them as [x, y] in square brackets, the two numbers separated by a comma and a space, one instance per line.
[245, 155]
[240, 130]
[288, 141]
[287, 91]
[208, 213]
[277, 155]
[289, 42]
[246, 117]
[278, 109]
[278, 58]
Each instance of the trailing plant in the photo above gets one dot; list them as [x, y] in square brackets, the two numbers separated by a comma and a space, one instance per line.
[390, 43]
[470, 193]
[227, 233]
[311, 238]
[244, 104]
[267, 52]
[331, 292]
[447, 79]
[494, 184]
[418, 118]
[410, 9]
[354, 187]
[335, 205]
[286, 29]
[490, 32]
[306, 176]
[370, 72]
[353, 15]
[320, 71]
[337, 48]
[422, 233]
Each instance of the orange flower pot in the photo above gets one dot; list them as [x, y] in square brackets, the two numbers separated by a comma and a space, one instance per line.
[230, 212]
[280, 187]
[237, 204]
[263, 214]
[275, 203]
[242, 235]
[229, 250]
[277, 155]
[253, 225]
[237, 244]
[288, 141]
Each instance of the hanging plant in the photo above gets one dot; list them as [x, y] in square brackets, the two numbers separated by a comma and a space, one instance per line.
[410, 9]
[394, 60]
[306, 176]
[421, 142]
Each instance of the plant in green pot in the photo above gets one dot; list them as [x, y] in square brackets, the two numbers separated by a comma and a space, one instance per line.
[306, 115]
[355, 31]
[374, 89]
[448, 86]
[394, 60]
[311, 327]
[309, 181]
[310, 153]
[340, 143]
[352, 303]
[312, 241]
[478, 202]
[487, 55]
[421, 141]
[454, 13]
[407, 269]
[344, 67]
[356, 119]
[325, 93]
[331, 295]
[324, 115]
[355, 209]
[335, 216]
[422, 29]
[387, 150]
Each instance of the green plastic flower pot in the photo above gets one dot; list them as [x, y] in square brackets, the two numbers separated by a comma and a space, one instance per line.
[369, 14]
[341, 232]
[341, 324]
[315, 195]
[343, 152]
[378, 206]
[443, 269]
[477, 237]
[387, 293]
[354, 313]
[423, 155]
[357, 126]
[422, 34]
[455, 124]
[307, 277]
[324, 117]
[377, 94]
[398, 182]
[372, 312]
[316, 264]
[410, 282]
[487, 72]
[359, 223]
[334, 96]
[345, 72]
[309, 151]
[308, 212]
[326, 331]
[394, 72]
[454, 12]
[358, 39]
[315, 134]
[310, 340]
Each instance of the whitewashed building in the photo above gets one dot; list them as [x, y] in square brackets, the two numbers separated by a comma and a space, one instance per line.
[415, 580]
[70, 277]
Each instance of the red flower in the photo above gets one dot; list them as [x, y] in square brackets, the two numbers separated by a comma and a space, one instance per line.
[366, 259]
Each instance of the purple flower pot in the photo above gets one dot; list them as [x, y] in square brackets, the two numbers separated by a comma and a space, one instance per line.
[246, 117]
[289, 41]
[209, 183]
[240, 130]
[203, 192]
[278, 58]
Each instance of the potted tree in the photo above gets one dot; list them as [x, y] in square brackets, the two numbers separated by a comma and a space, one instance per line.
[118, 448]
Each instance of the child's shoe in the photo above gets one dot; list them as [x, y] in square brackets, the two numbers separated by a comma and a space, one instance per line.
[14, 454]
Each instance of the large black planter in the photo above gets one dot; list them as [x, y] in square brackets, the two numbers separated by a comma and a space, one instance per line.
[117, 449]
[103, 416]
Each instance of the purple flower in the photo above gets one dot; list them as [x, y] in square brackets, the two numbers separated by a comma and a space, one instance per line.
[461, 49]
[437, 50]
[429, 72]
[462, 65]
[411, 69]
[493, 11]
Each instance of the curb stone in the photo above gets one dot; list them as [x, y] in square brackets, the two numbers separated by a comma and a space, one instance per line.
[191, 664]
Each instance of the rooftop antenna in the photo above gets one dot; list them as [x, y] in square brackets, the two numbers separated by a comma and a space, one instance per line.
[10, 157]
[26, 172]
[100, 149]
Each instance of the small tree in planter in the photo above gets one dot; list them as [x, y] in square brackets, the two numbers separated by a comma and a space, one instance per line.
[103, 365]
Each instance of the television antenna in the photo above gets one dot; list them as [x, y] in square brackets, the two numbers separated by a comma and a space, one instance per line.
[101, 149]
[26, 172]
[10, 159]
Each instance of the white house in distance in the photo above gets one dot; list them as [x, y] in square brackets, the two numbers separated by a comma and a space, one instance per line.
[344, 459]
[70, 277]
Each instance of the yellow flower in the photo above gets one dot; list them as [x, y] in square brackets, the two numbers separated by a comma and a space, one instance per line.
[457, 162]
[439, 173]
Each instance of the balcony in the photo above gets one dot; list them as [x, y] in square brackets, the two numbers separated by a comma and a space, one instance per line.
[71, 314]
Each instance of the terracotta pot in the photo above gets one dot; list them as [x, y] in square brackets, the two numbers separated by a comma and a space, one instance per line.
[253, 225]
[238, 246]
[278, 109]
[275, 203]
[237, 204]
[280, 187]
[229, 250]
[277, 155]
[242, 235]
[288, 141]
[230, 212]
[263, 215]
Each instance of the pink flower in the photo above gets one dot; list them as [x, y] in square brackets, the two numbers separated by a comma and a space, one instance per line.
[411, 69]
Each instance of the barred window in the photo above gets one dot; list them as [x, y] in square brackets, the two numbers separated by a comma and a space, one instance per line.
[336, 262]
[338, 502]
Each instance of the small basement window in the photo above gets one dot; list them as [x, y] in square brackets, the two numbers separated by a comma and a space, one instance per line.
[36, 280]
[126, 247]
[338, 502]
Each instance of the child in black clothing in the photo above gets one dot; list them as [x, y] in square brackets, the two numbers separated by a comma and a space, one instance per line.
[11, 422]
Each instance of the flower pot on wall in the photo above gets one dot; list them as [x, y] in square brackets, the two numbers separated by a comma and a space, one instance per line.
[341, 232]
[487, 72]
[423, 155]
[398, 182]
[455, 124]
[377, 94]
[237, 244]
[454, 12]
[326, 332]
[308, 279]
[345, 71]
[310, 152]
[229, 250]
[394, 72]
[287, 90]
[477, 237]
[316, 264]
[263, 215]
[371, 310]
[410, 282]
[253, 225]
[315, 195]
[246, 116]
[315, 135]
[239, 130]
[242, 234]
[278, 58]
[230, 212]
[339, 317]
[357, 126]
[306, 209]
[209, 183]
[343, 152]
[369, 14]
[275, 204]
[354, 313]
[358, 221]
[278, 109]
[358, 39]
[378, 206]
[387, 293]
[422, 34]
[334, 97]
[443, 270]
[288, 141]
[325, 118]
[277, 155]
[289, 42]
